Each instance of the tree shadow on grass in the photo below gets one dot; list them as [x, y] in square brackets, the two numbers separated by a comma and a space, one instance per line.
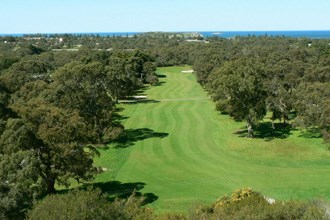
[266, 131]
[117, 117]
[311, 133]
[137, 101]
[160, 83]
[130, 136]
[116, 189]
[160, 75]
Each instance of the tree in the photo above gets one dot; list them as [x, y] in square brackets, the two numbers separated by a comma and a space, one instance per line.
[53, 125]
[85, 88]
[149, 70]
[67, 116]
[26, 70]
[7, 61]
[34, 50]
[127, 72]
[239, 90]
[140, 64]
[202, 69]
[123, 80]
[280, 99]
[313, 107]
[89, 204]
[61, 142]
[19, 183]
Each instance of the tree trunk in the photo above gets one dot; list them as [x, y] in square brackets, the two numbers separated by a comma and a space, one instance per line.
[51, 185]
[47, 176]
[250, 130]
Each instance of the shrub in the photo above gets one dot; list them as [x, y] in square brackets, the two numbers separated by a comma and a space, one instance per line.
[86, 205]
[248, 204]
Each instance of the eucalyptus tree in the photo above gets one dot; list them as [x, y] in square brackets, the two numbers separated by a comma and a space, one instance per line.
[239, 90]
[26, 70]
[122, 80]
[83, 87]
[313, 107]
[280, 99]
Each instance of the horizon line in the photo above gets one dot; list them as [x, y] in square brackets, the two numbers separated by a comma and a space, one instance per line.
[159, 31]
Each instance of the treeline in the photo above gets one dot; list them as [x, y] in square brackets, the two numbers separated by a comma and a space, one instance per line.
[249, 77]
[55, 109]
[48, 42]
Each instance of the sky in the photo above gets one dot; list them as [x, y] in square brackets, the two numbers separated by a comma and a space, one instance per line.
[71, 16]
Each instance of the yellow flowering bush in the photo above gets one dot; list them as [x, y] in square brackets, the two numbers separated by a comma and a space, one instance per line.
[236, 196]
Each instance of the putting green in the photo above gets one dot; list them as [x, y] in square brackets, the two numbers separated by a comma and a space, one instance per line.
[185, 153]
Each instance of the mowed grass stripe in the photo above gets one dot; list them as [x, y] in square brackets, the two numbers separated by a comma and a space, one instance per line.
[163, 151]
[195, 147]
[145, 148]
[167, 144]
[157, 149]
[202, 159]
[186, 140]
[173, 90]
[167, 88]
[202, 144]
[183, 162]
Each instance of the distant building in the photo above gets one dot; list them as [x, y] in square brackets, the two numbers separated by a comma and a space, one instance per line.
[197, 41]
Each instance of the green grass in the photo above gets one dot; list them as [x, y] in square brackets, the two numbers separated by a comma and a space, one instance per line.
[183, 152]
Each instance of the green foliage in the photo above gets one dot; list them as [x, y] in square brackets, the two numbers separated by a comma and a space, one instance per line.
[280, 100]
[54, 109]
[5, 112]
[34, 50]
[243, 204]
[239, 88]
[16, 136]
[26, 70]
[83, 87]
[89, 204]
[288, 65]
[63, 135]
[247, 204]
[128, 71]
[123, 80]
[149, 70]
[19, 183]
[7, 61]
[313, 105]
[236, 197]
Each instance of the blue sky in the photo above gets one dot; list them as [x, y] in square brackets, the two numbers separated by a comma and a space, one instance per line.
[58, 16]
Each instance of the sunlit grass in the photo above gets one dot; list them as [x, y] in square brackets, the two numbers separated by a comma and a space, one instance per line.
[187, 153]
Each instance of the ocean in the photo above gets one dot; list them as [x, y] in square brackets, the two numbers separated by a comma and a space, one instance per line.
[325, 34]
[294, 34]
